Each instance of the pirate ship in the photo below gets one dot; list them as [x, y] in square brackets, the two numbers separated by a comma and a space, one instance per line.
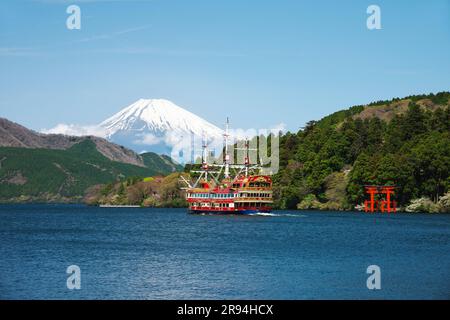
[228, 188]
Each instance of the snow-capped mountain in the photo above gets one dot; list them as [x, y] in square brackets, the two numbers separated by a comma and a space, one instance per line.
[156, 125]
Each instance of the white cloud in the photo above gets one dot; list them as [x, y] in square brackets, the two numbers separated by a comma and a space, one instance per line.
[76, 130]
[279, 127]
[18, 52]
[148, 139]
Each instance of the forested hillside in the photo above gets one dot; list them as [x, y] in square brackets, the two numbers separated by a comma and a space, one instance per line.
[35, 174]
[403, 142]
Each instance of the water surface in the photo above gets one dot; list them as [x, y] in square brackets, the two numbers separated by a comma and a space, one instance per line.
[133, 253]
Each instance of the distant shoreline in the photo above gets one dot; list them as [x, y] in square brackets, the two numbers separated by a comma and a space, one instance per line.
[167, 207]
[118, 206]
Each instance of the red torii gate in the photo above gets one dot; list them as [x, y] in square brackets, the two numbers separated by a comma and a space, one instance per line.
[373, 205]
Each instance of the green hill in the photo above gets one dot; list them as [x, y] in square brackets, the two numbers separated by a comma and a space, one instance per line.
[403, 142]
[160, 163]
[37, 174]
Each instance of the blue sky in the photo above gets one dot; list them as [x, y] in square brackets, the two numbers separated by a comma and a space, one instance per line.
[260, 62]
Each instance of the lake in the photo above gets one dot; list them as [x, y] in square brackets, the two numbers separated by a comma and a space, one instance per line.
[134, 253]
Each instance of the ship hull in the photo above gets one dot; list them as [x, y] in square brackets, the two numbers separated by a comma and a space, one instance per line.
[237, 212]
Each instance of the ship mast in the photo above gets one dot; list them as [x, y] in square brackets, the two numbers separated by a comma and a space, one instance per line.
[205, 156]
[246, 160]
[226, 156]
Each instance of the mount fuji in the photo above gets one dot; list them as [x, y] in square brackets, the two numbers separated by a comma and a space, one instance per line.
[155, 125]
